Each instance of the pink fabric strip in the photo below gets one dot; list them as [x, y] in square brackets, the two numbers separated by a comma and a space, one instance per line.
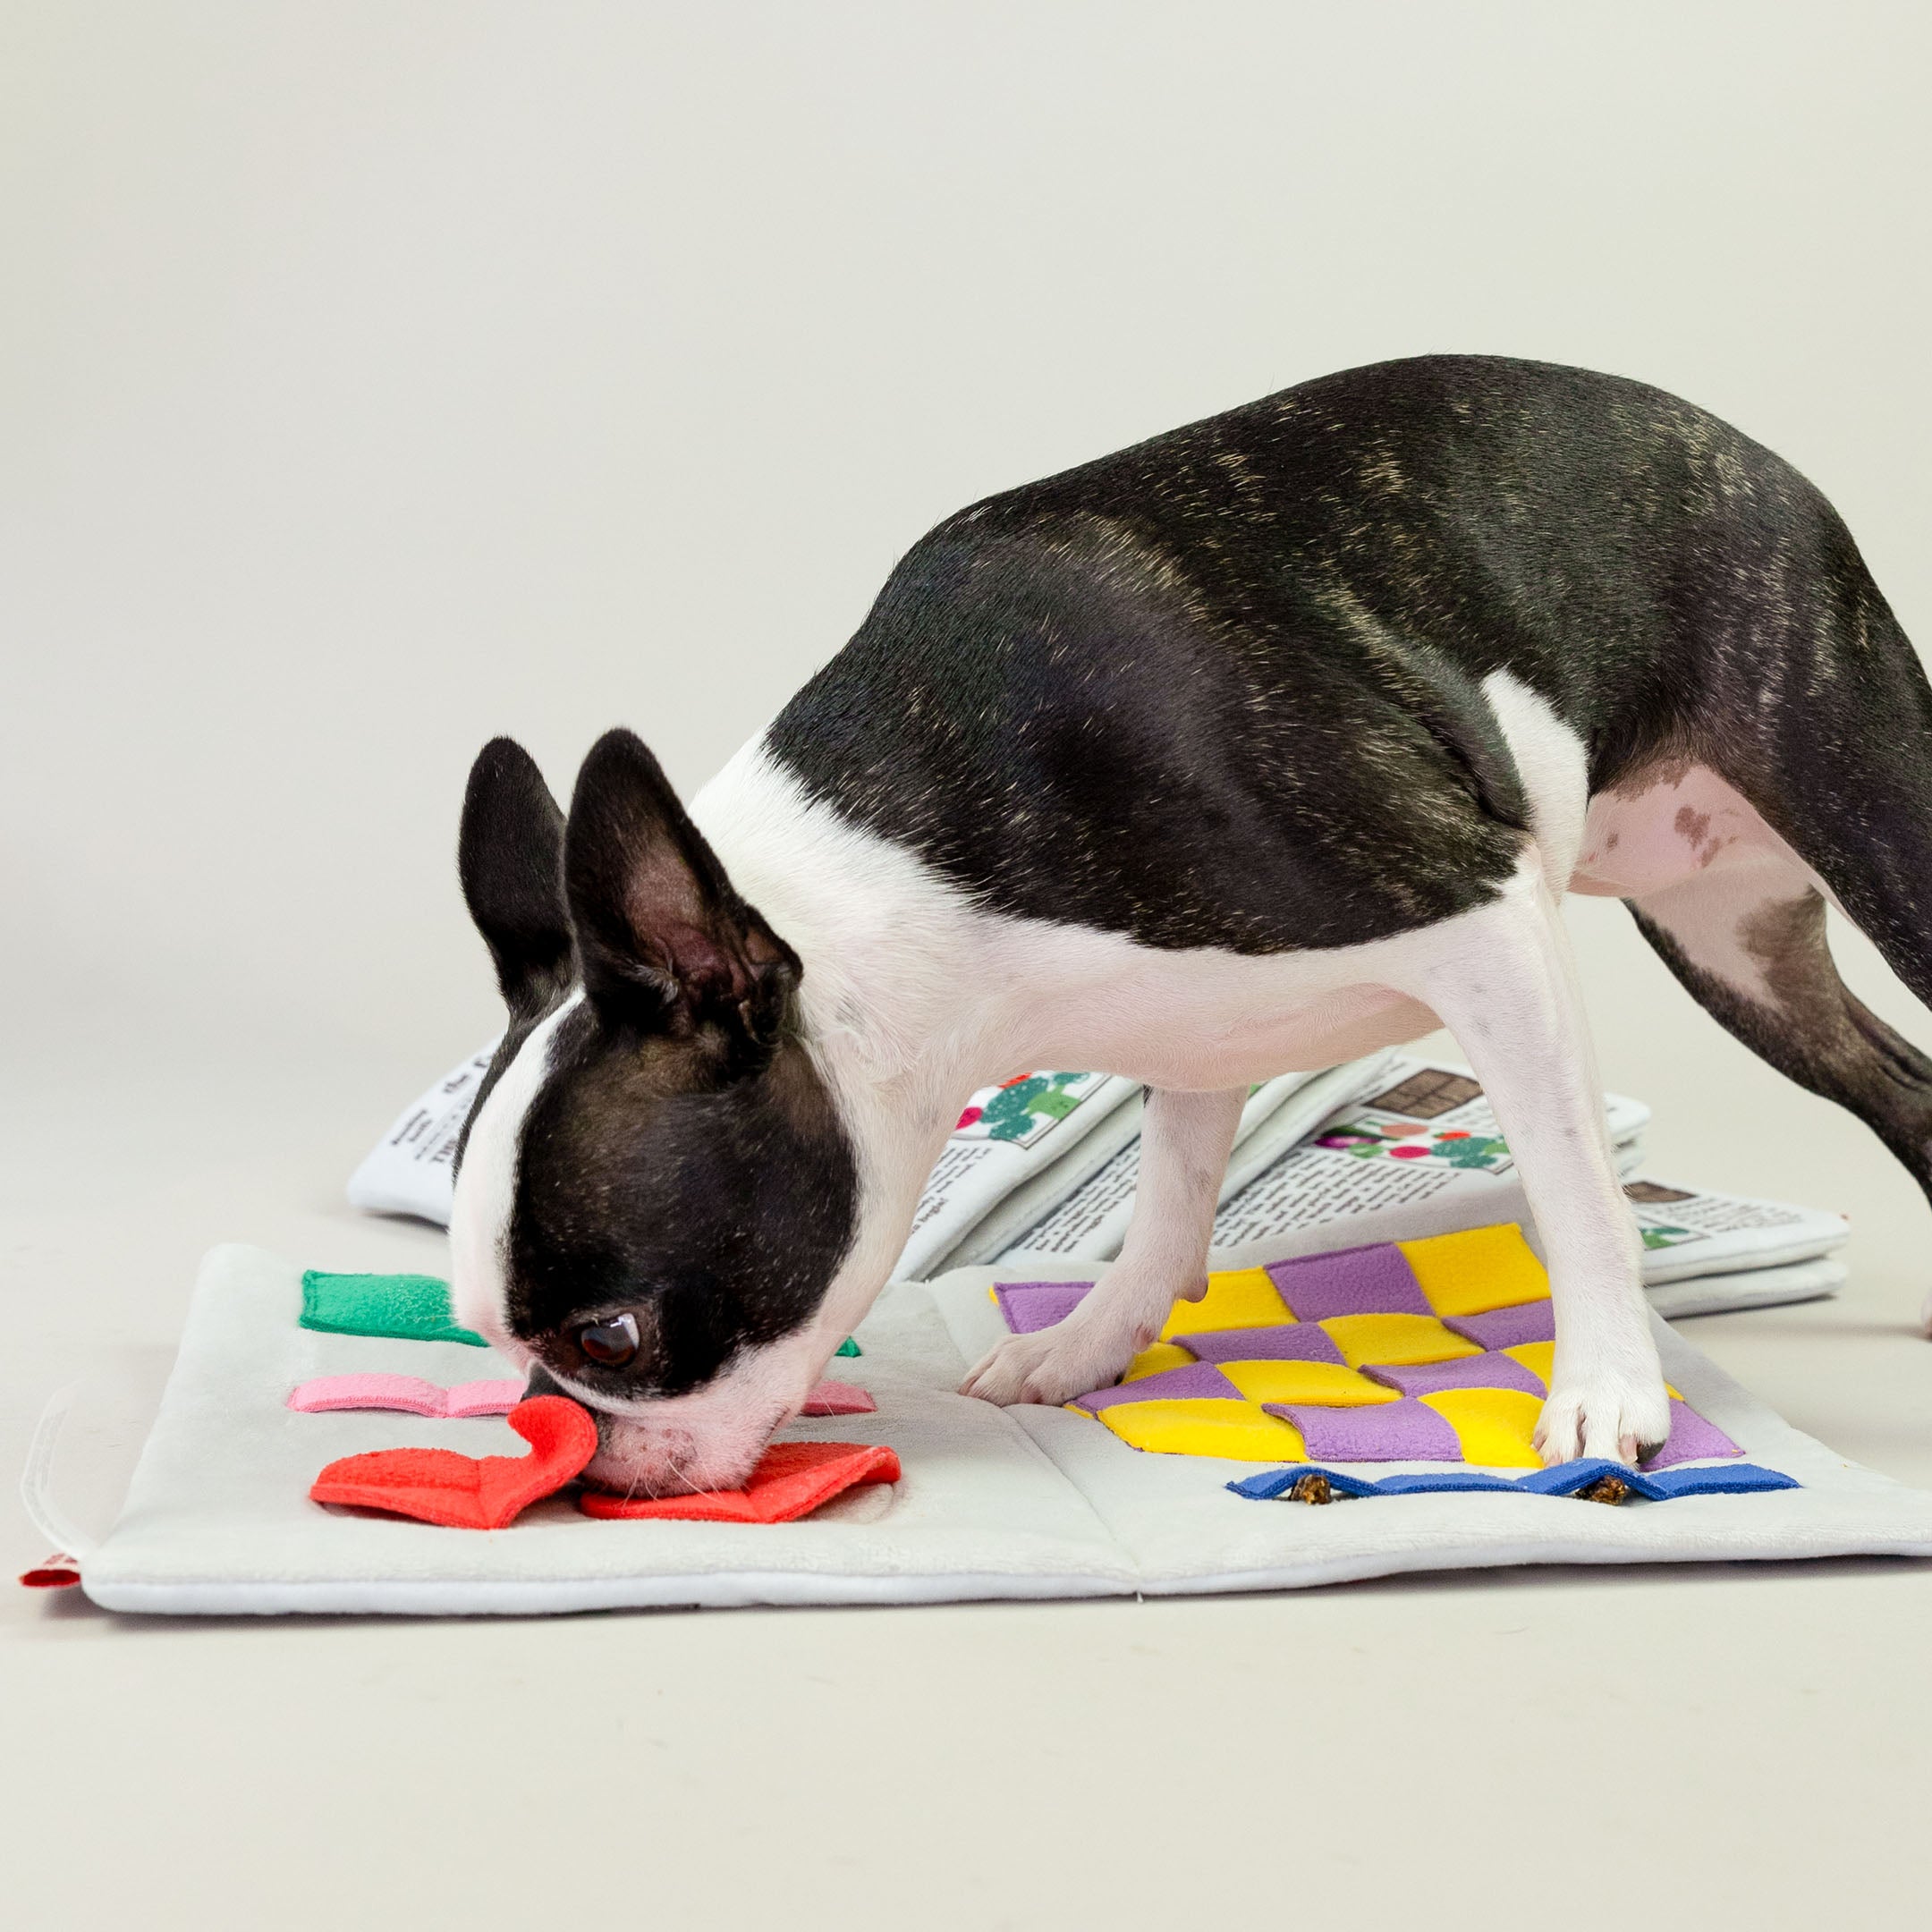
[406, 1391]
[482, 1398]
[418, 1397]
[838, 1398]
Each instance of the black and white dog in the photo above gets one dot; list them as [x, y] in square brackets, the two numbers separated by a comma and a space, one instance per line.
[1259, 746]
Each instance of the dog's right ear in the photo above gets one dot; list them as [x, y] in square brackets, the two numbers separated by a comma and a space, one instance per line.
[509, 855]
[665, 943]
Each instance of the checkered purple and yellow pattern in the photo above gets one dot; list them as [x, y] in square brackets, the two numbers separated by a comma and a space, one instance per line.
[1434, 1350]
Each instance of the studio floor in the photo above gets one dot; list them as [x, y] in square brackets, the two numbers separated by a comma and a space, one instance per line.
[1682, 1747]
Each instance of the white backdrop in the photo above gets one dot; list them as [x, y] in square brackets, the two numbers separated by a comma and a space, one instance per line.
[377, 378]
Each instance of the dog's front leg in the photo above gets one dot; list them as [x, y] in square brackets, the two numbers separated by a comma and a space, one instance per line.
[1184, 1143]
[1506, 984]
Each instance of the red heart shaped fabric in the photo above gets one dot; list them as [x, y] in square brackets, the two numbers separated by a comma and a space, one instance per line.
[791, 1480]
[464, 1492]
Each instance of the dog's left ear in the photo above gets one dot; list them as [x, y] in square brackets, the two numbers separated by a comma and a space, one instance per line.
[665, 945]
[510, 857]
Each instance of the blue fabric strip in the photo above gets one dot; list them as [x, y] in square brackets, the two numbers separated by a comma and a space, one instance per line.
[1729, 1479]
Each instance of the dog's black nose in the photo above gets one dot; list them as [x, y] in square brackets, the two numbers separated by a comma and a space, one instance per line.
[542, 1382]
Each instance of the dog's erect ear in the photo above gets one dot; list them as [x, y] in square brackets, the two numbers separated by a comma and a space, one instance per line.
[664, 943]
[509, 855]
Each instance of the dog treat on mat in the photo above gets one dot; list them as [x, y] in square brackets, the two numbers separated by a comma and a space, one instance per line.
[409, 1307]
[792, 1480]
[464, 1492]
[408, 1392]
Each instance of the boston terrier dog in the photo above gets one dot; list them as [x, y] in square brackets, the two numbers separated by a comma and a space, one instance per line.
[1260, 745]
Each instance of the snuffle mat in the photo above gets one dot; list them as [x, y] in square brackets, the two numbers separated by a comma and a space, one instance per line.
[1407, 1374]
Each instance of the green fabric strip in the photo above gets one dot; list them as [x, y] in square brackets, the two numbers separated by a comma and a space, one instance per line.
[409, 1307]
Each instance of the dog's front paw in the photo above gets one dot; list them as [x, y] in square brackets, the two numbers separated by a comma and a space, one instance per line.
[1623, 1417]
[1049, 1366]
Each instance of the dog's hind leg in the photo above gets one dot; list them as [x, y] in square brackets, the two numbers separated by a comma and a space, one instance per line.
[1748, 943]
[1185, 1138]
[1819, 782]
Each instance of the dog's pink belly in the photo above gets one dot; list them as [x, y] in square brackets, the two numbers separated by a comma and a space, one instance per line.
[1360, 1020]
[1216, 1053]
[1665, 826]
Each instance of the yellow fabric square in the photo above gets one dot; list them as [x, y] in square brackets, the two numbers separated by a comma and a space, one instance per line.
[1392, 1340]
[1494, 1425]
[1163, 1355]
[1325, 1382]
[1536, 1357]
[1236, 1298]
[1207, 1426]
[1477, 1270]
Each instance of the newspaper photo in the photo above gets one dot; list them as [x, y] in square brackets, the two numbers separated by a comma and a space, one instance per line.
[1007, 1136]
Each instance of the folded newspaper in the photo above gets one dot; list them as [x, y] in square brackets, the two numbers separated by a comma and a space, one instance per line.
[1389, 1148]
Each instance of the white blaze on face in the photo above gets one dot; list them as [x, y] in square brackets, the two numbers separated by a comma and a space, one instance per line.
[485, 1193]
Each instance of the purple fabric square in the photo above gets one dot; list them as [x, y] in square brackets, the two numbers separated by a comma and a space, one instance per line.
[1029, 1306]
[1385, 1432]
[1356, 1281]
[1691, 1438]
[1492, 1370]
[1283, 1342]
[1507, 1327]
[1197, 1380]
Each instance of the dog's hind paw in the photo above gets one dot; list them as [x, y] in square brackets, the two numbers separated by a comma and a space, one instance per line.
[1051, 1365]
[1620, 1417]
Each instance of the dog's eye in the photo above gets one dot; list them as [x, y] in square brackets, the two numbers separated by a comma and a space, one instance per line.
[614, 1341]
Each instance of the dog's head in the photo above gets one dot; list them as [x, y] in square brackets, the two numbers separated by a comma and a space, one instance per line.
[654, 1190]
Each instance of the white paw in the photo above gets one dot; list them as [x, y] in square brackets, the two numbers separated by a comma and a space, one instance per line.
[1051, 1365]
[1620, 1416]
